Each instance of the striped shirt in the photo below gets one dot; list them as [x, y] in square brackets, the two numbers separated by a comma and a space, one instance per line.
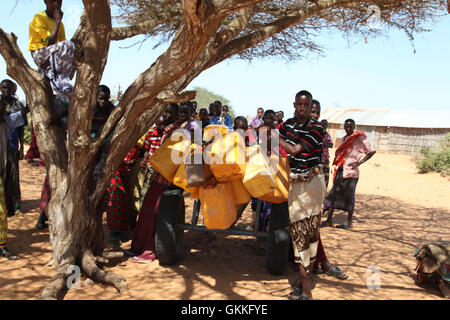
[152, 141]
[310, 136]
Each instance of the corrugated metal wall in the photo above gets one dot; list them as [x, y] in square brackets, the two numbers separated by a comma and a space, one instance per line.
[393, 139]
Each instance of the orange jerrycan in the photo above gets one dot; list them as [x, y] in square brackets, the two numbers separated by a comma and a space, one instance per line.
[281, 192]
[226, 157]
[218, 206]
[214, 132]
[171, 154]
[258, 178]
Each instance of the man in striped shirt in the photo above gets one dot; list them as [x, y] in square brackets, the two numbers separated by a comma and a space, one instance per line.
[302, 138]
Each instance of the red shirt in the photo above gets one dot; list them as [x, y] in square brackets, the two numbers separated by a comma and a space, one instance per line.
[152, 142]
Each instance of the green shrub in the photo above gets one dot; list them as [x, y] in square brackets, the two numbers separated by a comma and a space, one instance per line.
[27, 132]
[27, 135]
[436, 160]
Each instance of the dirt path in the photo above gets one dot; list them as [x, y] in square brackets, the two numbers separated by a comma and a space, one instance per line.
[397, 210]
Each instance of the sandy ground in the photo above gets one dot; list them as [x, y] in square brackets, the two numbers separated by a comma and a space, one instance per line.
[397, 210]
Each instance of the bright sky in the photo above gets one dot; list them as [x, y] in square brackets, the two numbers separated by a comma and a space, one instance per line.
[381, 74]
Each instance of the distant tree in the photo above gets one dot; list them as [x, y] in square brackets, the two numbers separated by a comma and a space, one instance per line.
[205, 97]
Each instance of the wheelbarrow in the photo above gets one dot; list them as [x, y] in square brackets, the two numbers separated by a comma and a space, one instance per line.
[171, 224]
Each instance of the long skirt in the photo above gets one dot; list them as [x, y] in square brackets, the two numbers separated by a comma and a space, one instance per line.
[305, 206]
[3, 219]
[342, 194]
[326, 173]
[12, 183]
[118, 212]
[144, 233]
[45, 198]
[146, 181]
[137, 176]
[321, 256]
[33, 151]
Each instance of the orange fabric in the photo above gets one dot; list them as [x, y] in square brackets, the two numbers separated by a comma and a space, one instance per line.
[344, 149]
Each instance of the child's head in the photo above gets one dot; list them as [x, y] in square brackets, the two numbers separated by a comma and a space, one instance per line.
[217, 108]
[270, 118]
[280, 116]
[52, 5]
[324, 124]
[302, 104]
[225, 109]
[194, 107]
[240, 123]
[211, 108]
[160, 124]
[185, 111]
[170, 115]
[7, 87]
[260, 112]
[315, 110]
[103, 96]
[203, 115]
[349, 126]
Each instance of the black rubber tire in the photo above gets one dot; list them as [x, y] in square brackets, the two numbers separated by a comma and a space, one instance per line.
[278, 240]
[168, 237]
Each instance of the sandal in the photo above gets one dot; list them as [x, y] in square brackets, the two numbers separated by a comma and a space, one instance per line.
[41, 226]
[144, 258]
[324, 224]
[345, 226]
[9, 255]
[297, 294]
[338, 273]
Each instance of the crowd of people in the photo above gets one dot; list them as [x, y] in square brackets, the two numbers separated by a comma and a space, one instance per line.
[136, 187]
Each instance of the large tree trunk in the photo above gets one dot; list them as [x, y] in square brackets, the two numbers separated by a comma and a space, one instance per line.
[76, 236]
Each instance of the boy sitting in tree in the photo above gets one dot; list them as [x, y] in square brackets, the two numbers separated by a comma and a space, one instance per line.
[50, 50]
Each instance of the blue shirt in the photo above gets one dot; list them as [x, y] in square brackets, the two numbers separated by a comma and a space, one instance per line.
[14, 120]
[228, 121]
[14, 106]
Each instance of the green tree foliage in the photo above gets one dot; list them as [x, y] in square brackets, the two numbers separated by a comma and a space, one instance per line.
[436, 160]
[205, 97]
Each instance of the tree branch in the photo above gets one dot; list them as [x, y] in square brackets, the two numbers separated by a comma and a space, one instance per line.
[39, 99]
[121, 33]
[270, 29]
[94, 35]
[194, 13]
[230, 6]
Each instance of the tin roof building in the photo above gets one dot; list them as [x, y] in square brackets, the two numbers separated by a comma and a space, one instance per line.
[397, 131]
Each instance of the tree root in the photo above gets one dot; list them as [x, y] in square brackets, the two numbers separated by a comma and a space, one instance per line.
[55, 287]
[89, 266]
[106, 256]
[112, 254]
